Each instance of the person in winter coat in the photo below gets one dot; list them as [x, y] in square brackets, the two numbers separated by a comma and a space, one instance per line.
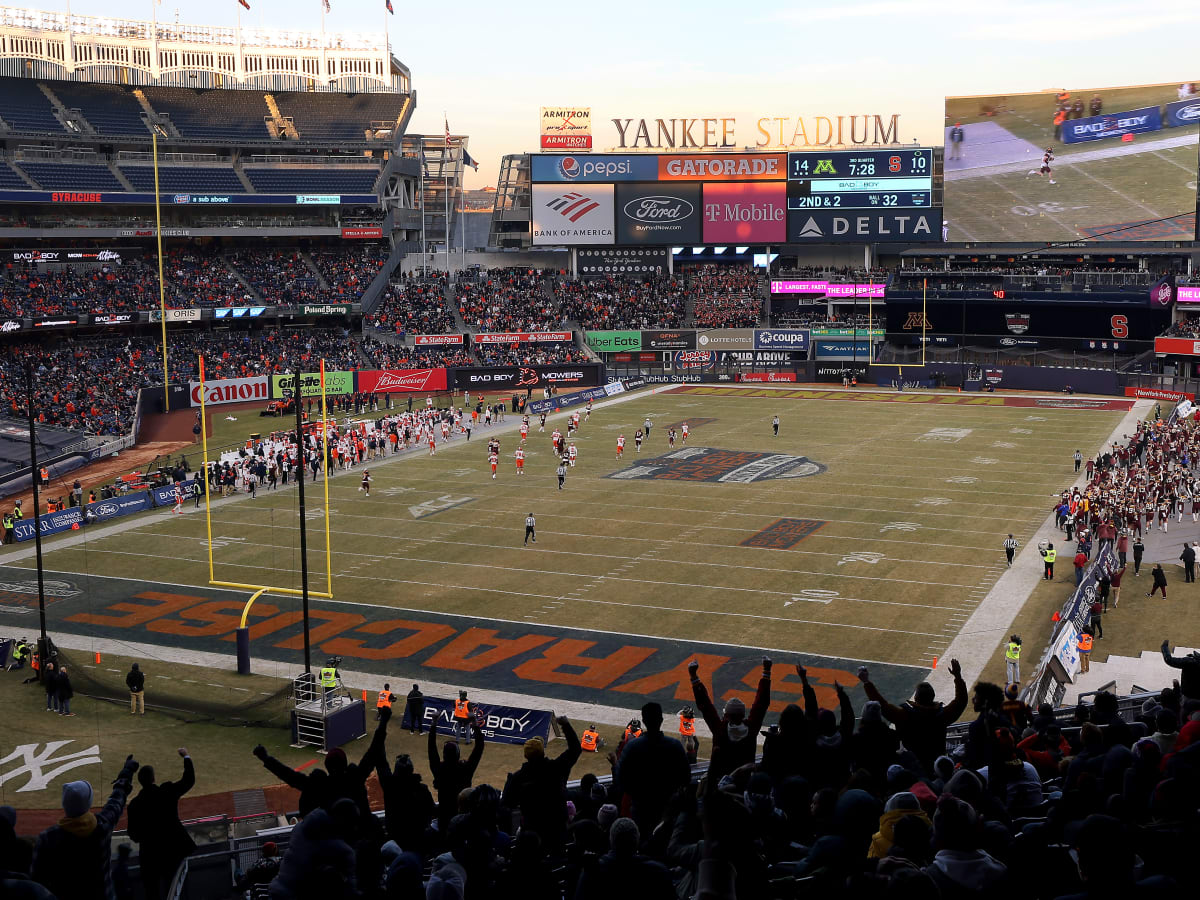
[320, 862]
[831, 753]
[407, 802]
[959, 867]
[735, 732]
[623, 872]
[1189, 670]
[922, 721]
[1159, 581]
[154, 823]
[874, 745]
[652, 768]
[339, 779]
[451, 774]
[899, 806]
[50, 686]
[538, 788]
[71, 859]
[63, 692]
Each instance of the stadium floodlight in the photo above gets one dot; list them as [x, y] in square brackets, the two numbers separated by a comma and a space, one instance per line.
[719, 250]
[696, 251]
[741, 250]
[675, 251]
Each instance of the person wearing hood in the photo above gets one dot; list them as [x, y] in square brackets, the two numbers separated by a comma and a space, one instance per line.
[651, 769]
[874, 745]
[922, 721]
[538, 788]
[959, 867]
[623, 872]
[320, 855]
[448, 881]
[407, 802]
[72, 859]
[734, 731]
[1189, 670]
[831, 753]
[322, 788]
[450, 773]
[163, 842]
[898, 807]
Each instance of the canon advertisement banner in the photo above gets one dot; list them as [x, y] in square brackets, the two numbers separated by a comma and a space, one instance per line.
[511, 378]
[231, 390]
[745, 213]
[829, 226]
[438, 340]
[572, 216]
[566, 128]
[593, 167]
[524, 337]
[642, 263]
[658, 214]
[387, 381]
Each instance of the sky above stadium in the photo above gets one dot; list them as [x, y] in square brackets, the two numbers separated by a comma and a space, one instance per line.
[488, 67]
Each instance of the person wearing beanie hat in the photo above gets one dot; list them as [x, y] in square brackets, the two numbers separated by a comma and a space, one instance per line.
[539, 788]
[735, 731]
[607, 814]
[898, 807]
[72, 858]
[922, 721]
[451, 774]
[264, 870]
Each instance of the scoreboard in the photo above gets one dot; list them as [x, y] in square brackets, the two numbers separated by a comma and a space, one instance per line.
[860, 179]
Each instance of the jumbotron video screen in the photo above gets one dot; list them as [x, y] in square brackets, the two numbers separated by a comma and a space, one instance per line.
[1107, 164]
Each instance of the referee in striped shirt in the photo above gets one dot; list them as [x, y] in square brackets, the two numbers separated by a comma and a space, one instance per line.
[530, 522]
[1010, 548]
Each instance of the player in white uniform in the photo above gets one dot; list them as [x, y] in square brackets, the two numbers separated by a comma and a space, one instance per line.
[620, 445]
[684, 429]
[572, 453]
[493, 458]
[519, 456]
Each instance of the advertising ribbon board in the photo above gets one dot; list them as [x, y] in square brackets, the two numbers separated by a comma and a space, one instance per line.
[524, 337]
[501, 724]
[1118, 124]
[613, 341]
[505, 378]
[221, 391]
[51, 524]
[438, 340]
[669, 340]
[387, 381]
[336, 384]
[123, 505]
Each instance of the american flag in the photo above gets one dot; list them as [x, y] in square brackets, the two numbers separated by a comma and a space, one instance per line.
[388, 4]
[447, 121]
[245, 3]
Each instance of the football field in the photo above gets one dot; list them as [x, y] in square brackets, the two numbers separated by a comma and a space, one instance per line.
[867, 531]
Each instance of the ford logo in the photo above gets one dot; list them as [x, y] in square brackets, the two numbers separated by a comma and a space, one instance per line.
[1008, 342]
[1188, 113]
[107, 509]
[658, 209]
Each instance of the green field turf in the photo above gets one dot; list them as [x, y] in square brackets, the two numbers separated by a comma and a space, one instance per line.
[909, 540]
[1101, 185]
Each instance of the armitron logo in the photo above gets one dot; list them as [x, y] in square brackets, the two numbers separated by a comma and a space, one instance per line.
[573, 206]
[824, 167]
[916, 320]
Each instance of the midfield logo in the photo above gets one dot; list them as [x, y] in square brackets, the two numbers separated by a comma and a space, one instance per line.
[726, 466]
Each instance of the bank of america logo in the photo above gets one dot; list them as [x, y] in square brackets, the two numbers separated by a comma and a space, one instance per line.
[573, 206]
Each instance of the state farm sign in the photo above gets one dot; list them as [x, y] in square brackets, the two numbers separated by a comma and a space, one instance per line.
[386, 381]
[438, 340]
[524, 337]
[231, 390]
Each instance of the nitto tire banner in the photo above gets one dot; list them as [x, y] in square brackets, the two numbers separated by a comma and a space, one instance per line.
[231, 390]
[505, 378]
[386, 381]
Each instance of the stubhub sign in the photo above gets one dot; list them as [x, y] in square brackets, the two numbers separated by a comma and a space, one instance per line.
[593, 167]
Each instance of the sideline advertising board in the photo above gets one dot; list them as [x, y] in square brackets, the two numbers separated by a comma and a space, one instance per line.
[613, 341]
[222, 391]
[505, 378]
[336, 384]
[386, 381]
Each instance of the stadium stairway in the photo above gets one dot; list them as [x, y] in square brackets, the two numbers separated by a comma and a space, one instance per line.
[241, 279]
[158, 121]
[241, 174]
[312, 265]
[279, 125]
[689, 310]
[72, 121]
[1130, 674]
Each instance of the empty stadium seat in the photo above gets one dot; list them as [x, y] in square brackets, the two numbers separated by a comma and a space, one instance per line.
[314, 181]
[173, 179]
[25, 108]
[66, 177]
[109, 108]
[221, 115]
[10, 180]
[338, 117]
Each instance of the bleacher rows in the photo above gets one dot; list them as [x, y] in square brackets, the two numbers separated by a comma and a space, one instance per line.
[29, 106]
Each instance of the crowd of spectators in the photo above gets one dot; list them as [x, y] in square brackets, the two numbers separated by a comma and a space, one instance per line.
[394, 356]
[414, 306]
[34, 291]
[819, 317]
[617, 302]
[1187, 327]
[884, 803]
[281, 277]
[199, 277]
[508, 300]
[726, 296]
[529, 354]
[349, 271]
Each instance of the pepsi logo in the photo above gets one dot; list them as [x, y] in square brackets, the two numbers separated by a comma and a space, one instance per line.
[569, 167]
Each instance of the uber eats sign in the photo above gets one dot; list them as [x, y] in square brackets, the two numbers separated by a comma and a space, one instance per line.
[613, 341]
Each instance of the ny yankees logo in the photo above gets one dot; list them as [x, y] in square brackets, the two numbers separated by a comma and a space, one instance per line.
[34, 763]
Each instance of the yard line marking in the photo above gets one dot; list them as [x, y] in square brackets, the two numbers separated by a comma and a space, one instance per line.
[1121, 194]
[1168, 159]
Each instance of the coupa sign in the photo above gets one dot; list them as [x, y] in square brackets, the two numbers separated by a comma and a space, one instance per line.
[231, 390]
[777, 339]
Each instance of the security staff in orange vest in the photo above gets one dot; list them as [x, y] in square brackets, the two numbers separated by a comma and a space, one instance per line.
[632, 730]
[45, 476]
[1085, 651]
[590, 741]
[462, 718]
[687, 732]
[385, 700]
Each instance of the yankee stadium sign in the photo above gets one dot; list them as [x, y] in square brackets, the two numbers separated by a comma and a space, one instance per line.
[769, 131]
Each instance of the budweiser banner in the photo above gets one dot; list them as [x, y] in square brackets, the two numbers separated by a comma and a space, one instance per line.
[524, 337]
[438, 340]
[387, 381]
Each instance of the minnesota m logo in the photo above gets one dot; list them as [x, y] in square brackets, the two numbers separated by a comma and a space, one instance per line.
[824, 167]
[917, 320]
